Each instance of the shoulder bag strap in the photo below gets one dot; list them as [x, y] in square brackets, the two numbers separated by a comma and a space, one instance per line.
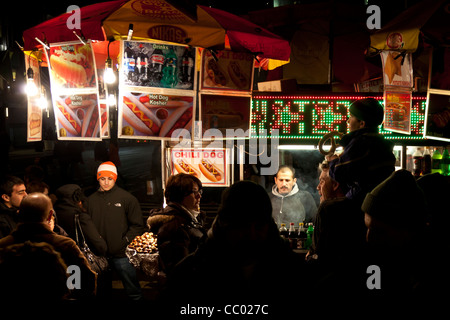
[79, 238]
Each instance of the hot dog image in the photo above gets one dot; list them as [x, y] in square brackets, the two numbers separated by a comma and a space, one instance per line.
[215, 75]
[182, 167]
[90, 125]
[210, 171]
[140, 117]
[67, 118]
[236, 75]
[35, 123]
[179, 119]
[72, 66]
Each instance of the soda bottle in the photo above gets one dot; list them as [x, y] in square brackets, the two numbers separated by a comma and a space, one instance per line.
[417, 163]
[436, 160]
[309, 235]
[301, 239]
[409, 159]
[128, 62]
[284, 231]
[445, 164]
[292, 236]
[426, 162]
[157, 62]
[187, 65]
[170, 69]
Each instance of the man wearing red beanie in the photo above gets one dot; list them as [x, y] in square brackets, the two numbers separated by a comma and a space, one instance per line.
[117, 215]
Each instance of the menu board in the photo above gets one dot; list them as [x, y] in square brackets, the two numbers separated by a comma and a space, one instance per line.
[397, 114]
[210, 166]
[74, 86]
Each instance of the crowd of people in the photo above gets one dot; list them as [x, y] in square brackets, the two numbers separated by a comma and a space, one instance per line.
[373, 227]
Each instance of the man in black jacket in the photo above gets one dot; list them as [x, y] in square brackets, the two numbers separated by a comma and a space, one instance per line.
[12, 192]
[368, 158]
[117, 215]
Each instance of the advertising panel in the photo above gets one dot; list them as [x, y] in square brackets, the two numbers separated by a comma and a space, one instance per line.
[75, 96]
[34, 111]
[157, 90]
[397, 114]
[211, 166]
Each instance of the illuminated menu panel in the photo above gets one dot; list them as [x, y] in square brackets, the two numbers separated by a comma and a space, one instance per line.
[310, 117]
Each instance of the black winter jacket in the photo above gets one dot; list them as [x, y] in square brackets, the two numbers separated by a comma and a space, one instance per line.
[178, 233]
[8, 220]
[117, 215]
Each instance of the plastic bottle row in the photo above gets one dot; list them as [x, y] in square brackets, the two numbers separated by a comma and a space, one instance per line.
[429, 160]
[299, 238]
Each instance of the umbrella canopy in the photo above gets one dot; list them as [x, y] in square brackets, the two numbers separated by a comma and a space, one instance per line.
[429, 18]
[160, 20]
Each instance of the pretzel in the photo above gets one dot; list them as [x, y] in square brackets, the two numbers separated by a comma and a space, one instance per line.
[325, 138]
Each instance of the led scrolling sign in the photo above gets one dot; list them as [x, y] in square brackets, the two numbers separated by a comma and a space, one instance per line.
[310, 117]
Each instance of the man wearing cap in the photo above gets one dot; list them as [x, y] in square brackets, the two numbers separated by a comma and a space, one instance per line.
[118, 217]
[367, 158]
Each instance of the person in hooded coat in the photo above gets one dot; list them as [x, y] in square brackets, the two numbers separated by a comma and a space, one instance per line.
[289, 203]
[70, 201]
[178, 226]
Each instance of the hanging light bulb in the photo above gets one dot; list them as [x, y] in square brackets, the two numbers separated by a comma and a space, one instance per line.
[109, 75]
[31, 88]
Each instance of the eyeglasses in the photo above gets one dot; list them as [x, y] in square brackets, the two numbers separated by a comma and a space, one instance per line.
[197, 192]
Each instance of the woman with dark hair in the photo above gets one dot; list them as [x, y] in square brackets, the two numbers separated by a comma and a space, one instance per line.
[178, 226]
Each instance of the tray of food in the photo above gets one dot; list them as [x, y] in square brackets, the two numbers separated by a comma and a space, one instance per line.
[143, 253]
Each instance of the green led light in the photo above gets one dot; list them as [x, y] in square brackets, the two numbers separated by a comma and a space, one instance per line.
[312, 117]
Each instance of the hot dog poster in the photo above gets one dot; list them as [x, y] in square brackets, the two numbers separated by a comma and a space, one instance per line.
[158, 65]
[209, 165]
[34, 111]
[75, 97]
[155, 115]
[227, 70]
[397, 111]
[437, 116]
[225, 112]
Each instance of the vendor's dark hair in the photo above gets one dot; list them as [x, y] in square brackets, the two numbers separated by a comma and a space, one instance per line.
[179, 186]
[8, 183]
